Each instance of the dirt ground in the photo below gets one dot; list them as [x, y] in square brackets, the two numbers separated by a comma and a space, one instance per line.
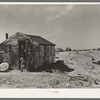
[17, 79]
[85, 70]
[86, 73]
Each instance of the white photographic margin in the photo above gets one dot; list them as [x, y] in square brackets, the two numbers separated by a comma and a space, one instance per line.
[49, 93]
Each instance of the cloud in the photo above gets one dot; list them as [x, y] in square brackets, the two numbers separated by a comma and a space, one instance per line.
[65, 10]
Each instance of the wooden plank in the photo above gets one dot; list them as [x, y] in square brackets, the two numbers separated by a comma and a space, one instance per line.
[41, 50]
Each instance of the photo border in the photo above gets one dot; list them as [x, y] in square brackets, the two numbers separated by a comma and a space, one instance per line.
[12, 94]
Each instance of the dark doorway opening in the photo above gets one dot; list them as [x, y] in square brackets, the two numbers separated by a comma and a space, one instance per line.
[26, 50]
[21, 51]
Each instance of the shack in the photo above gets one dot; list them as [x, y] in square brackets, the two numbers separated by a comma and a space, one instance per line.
[35, 50]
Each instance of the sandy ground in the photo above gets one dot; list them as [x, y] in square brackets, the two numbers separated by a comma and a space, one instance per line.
[17, 79]
[86, 74]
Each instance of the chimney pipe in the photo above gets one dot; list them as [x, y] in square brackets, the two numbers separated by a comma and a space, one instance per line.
[6, 35]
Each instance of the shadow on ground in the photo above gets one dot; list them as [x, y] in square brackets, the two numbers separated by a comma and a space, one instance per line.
[58, 66]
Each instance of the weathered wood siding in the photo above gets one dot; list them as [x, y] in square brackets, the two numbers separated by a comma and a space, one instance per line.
[41, 53]
[12, 42]
[11, 46]
[5, 57]
[52, 54]
[47, 54]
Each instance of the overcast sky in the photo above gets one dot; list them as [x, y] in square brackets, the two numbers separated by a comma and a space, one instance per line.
[75, 26]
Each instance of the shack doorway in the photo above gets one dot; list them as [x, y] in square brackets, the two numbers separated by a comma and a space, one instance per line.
[21, 51]
[26, 50]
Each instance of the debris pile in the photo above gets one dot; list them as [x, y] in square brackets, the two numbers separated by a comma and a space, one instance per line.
[86, 74]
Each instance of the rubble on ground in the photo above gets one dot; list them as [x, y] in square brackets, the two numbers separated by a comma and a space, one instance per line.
[86, 73]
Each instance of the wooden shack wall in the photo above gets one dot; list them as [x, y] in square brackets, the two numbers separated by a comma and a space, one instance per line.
[51, 54]
[11, 47]
[3, 48]
[5, 57]
[12, 42]
[39, 56]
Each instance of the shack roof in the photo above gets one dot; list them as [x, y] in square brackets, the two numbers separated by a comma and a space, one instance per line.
[39, 39]
[33, 38]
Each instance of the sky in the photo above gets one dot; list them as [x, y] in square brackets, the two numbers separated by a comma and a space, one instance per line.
[67, 25]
